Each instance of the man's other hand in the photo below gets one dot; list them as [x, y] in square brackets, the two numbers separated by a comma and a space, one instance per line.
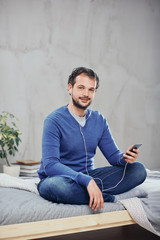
[95, 194]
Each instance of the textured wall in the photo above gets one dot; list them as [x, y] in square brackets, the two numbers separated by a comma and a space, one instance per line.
[41, 41]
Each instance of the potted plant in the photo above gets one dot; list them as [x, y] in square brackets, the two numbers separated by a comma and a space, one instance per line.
[9, 141]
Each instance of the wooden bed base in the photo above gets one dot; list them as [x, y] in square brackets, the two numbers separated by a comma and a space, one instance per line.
[56, 227]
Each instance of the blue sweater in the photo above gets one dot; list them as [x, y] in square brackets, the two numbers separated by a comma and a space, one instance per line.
[63, 149]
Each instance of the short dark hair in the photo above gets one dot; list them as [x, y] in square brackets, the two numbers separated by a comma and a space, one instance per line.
[77, 71]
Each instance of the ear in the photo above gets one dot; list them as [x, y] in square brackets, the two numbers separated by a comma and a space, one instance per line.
[70, 88]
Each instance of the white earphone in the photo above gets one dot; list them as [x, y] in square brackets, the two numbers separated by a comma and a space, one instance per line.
[85, 147]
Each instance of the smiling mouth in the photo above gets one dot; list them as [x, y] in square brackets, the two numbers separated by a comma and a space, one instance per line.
[84, 99]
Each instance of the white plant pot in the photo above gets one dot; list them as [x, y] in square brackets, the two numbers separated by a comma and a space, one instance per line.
[12, 170]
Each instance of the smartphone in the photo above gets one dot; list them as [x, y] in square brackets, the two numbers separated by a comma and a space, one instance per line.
[135, 146]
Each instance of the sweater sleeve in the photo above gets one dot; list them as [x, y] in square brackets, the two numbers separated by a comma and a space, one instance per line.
[109, 148]
[51, 155]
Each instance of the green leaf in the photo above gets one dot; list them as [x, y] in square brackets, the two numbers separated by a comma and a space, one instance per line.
[9, 134]
[10, 152]
[15, 148]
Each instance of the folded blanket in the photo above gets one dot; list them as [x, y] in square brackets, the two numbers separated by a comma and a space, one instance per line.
[19, 183]
[154, 174]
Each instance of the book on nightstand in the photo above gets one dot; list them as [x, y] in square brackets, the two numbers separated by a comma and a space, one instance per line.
[28, 168]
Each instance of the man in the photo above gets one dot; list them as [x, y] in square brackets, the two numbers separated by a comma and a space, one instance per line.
[70, 137]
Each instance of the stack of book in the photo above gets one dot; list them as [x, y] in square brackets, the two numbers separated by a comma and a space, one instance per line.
[28, 168]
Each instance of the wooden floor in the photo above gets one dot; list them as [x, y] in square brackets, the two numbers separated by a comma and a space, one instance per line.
[130, 232]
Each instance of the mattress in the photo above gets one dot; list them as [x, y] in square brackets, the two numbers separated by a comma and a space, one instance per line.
[19, 206]
[20, 202]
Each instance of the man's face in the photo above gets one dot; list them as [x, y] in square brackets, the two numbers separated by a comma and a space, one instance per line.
[83, 91]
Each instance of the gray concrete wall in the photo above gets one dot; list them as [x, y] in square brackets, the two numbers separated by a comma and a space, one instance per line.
[41, 41]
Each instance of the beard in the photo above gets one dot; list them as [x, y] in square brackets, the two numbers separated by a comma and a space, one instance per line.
[78, 105]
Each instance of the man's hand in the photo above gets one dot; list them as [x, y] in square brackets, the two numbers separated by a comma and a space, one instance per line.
[95, 194]
[132, 155]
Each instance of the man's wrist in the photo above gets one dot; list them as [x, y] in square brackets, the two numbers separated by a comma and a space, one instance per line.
[122, 160]
[83, 179]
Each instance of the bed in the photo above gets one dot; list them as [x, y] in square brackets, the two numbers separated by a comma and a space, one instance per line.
[25, 215]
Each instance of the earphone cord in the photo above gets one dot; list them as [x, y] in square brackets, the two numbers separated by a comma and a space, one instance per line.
[124, 171]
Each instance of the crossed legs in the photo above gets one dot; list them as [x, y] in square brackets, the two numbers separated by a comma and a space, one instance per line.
[109, 179]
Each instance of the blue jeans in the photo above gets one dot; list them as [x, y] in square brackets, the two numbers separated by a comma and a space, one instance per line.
[65, 190]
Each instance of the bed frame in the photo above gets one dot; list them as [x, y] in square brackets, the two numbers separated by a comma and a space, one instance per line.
[56, 227]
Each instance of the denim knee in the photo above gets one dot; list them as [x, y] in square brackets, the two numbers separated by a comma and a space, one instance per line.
[63, 190]
[139, 172]
[52, 188]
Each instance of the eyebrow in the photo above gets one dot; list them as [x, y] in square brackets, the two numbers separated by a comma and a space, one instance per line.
[81, 85]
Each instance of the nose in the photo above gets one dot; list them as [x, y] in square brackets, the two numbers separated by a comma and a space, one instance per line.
[85, 92]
